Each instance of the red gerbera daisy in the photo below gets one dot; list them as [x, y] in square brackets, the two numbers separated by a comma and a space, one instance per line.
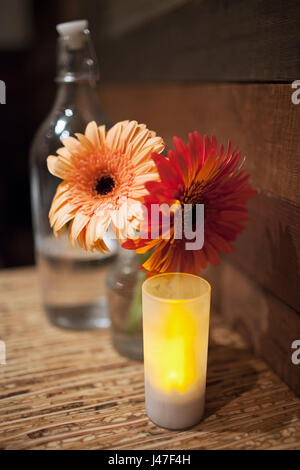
[197, 173]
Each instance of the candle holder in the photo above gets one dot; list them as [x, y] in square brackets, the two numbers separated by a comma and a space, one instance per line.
[176, 310]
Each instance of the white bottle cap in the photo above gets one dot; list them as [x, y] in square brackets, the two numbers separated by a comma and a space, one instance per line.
[71, 31]
[71, 28]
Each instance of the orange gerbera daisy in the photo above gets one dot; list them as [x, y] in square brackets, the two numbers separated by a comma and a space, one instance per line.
[104, 175]
[199, 173]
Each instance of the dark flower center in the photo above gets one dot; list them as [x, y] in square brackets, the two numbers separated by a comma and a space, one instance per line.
[104, 185]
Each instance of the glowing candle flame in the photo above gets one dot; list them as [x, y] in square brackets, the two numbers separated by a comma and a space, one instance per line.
[175, 351]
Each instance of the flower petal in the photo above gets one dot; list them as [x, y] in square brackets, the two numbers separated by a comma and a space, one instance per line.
[62, 216]
[77, 225]
[58, 166]
[113, 136]
[85, 142]
[91, 133]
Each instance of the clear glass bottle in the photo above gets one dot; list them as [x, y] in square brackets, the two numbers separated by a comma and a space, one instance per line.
[124, 293]
[72, 281]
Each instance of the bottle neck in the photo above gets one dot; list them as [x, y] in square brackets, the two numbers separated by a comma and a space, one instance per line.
[77, 74]
[76, 59]
[77, 94]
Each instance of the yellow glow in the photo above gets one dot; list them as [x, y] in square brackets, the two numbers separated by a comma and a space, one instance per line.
[175, 331]
[176, 362]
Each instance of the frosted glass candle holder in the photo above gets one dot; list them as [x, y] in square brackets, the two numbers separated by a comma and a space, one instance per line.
[176, 310]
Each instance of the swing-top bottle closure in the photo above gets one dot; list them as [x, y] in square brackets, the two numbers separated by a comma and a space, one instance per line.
[76, 58]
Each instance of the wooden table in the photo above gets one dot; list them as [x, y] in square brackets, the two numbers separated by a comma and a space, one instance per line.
[69, 390]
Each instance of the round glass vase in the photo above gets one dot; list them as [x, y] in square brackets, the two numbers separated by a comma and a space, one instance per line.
[124, 295]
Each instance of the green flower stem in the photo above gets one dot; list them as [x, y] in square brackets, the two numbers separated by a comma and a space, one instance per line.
[135, 309]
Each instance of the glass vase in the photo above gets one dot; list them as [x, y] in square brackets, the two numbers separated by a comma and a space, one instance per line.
[124, 294]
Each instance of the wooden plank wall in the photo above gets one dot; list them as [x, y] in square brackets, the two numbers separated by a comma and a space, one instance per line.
[226, 67]
[215, 40]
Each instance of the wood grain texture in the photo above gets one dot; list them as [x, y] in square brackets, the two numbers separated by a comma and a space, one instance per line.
[269, 325]
[67, 390]
[269, 249]
[119, 17]
[260, 119]
[216, 40]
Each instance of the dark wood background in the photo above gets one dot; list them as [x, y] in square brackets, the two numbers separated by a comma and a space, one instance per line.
[216, 40]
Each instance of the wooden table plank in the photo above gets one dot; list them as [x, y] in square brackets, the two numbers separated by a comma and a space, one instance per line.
[70, 390]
